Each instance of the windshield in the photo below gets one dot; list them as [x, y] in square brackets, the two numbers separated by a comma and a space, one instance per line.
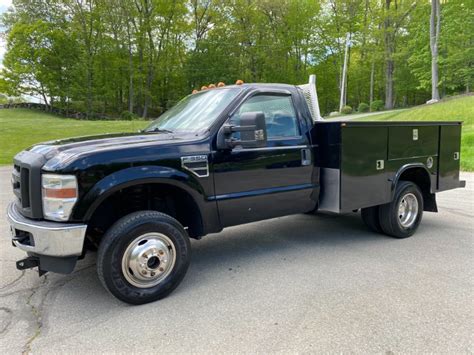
[195, 112]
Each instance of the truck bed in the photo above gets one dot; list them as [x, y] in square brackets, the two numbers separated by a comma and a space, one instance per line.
[360, 161]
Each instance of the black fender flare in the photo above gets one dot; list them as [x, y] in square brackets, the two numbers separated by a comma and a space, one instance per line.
[121, 179]
[405, 168]
[429, 196]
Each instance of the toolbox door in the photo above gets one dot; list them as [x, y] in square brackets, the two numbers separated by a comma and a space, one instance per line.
[364, 180]
[449, 157]
[412, 142]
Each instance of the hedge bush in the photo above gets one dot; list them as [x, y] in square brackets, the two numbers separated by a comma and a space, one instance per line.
[347, 109]
[377, 105]
[363, 107]
[128, 116]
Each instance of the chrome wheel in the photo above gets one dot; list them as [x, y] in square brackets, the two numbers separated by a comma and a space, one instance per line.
[148, 260]
[407, 210]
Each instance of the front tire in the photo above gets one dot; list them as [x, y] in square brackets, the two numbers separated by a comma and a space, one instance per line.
[402, 217]
[143, 257]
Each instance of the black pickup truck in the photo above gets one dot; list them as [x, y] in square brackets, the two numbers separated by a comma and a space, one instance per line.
[221, 157]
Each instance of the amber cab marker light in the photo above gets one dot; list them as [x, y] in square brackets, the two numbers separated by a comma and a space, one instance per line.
[239, 82]
[220, 84]
[195, 91]
[204, 87]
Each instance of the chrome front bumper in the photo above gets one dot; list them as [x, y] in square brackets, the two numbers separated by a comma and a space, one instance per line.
[46, 238]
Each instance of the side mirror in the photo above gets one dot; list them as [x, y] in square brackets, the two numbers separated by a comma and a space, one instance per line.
[252, 129]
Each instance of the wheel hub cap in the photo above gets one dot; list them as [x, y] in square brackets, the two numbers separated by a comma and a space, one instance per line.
[148, 260]
[408, 210]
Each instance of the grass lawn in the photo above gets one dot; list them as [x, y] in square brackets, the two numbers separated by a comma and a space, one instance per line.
[454, 109]
[21, 128]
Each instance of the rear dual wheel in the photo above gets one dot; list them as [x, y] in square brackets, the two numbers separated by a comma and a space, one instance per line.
[399, 218]
[370, 216]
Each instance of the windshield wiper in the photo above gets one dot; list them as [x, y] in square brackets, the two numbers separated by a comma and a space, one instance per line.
[160, 130]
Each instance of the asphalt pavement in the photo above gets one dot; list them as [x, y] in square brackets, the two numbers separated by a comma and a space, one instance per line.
[297, 284]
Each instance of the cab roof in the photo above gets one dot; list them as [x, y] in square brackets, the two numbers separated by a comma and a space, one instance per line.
[260, 86]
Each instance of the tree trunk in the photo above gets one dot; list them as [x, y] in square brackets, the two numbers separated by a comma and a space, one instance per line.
[146, 104]
[389, 67]
[130, 82]
[469, 65]
[389, 38]
[45, 99]
[150, 72]
[342, 100]
[434, 39]
[89, 87]
[130, 69]
[372, 75]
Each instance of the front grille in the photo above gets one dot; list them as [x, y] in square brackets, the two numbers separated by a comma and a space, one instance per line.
[21, 185]
[26, 183]
[16, 184]
[25, 187]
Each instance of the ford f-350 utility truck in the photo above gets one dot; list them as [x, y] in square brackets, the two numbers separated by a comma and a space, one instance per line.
[219, 158]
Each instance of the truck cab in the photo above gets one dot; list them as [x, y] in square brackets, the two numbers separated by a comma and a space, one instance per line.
[221, 157]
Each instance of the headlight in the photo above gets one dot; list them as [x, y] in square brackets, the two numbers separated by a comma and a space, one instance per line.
[59, 196]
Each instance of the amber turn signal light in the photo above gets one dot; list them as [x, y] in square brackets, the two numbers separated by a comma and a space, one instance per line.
[60, 193]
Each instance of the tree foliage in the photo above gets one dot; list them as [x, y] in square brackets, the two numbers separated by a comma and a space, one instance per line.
[138, 57]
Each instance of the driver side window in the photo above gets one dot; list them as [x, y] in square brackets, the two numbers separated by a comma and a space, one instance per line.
[280, 116]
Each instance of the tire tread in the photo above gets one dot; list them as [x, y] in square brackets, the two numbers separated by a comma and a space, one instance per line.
[370, 216]
[388, 223]
[118, 228]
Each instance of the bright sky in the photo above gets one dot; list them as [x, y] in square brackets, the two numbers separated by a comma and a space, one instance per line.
[4, 4]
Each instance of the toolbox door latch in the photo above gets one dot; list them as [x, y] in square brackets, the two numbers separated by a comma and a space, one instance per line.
[380, 164]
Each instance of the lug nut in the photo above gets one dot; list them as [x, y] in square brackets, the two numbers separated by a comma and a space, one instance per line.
[161, 269]
[143, 272]
[161, 252]
[152, 273]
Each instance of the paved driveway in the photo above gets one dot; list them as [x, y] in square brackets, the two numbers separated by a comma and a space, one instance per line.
[294, 284]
